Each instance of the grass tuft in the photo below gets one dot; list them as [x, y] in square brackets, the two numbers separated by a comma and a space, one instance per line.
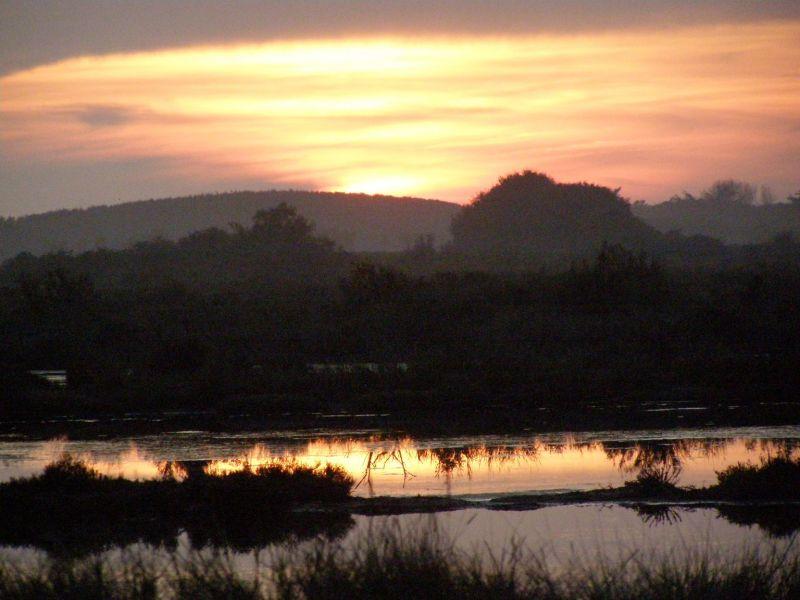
[658, 480]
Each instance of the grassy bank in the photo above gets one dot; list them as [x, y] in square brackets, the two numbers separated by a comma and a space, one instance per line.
[70, 506]
[776, 479]
[390, 565]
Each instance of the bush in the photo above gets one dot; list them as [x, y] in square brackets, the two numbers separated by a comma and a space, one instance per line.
[72, 508]
[69, 470]
[776, 478]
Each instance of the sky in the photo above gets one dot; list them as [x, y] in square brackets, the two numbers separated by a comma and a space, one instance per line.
[102, 102]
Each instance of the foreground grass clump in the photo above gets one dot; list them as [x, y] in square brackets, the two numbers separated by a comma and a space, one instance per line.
[90, 580]
[390, 564]
[96, 578]
[424, 566]
[657, 480]
[71, 506]
[776, 478]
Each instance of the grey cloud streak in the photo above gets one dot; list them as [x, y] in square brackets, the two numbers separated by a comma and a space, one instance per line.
[44, 31]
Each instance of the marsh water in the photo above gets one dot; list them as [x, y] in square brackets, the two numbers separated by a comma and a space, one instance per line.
[480, 467]
[557, 537]
[395, 464]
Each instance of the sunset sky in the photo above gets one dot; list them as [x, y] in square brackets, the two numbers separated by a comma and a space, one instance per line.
[103, 102]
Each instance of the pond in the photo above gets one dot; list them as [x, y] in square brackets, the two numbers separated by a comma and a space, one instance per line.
[557, 537]
[390, 463]
[476, 467]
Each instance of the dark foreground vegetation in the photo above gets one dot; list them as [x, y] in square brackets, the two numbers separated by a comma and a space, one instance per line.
[392, 565]
[550, 295]
[71, 508]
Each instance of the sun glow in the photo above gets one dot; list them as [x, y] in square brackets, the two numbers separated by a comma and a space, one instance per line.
[404, 466]
[383, 184]
[427, 116]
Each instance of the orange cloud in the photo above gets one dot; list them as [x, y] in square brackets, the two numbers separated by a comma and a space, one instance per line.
[441, 117]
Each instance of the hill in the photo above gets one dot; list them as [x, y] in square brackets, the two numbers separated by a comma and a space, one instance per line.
[357, 222]
[278, 250]
[529, 213]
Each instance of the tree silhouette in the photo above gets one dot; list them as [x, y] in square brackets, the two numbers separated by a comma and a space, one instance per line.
[730, 191]
[281, 224]
[529, 213]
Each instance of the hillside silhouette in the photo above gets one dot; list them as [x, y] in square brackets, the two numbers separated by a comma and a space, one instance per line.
[357, 222]
[529, 213]
[729, 210]
[278, 250]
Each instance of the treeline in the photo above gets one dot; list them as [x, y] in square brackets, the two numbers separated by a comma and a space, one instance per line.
[282, 318]
[620, 326]
[734, 212]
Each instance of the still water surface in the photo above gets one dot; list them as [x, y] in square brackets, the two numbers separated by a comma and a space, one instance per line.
[477, 467]
[395, 464]
[556, 537]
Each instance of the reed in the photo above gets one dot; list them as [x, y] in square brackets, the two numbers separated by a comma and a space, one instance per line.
[395, 563]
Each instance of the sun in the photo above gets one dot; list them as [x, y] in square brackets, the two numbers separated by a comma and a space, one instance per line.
[390, 184]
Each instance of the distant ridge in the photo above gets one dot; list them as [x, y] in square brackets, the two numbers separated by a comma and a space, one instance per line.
[357, 222]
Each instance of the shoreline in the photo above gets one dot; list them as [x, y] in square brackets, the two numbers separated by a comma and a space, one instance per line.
[545, 417]
[403, 505]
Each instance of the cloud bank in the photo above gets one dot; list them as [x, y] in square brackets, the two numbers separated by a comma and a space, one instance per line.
[652, 111]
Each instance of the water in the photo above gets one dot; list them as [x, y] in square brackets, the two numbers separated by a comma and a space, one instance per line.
[559, 534]
[480, 468]
[391, 464]
[556, 537]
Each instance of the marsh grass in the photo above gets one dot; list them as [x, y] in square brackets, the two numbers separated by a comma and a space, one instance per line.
[90, 579]
[393, 563]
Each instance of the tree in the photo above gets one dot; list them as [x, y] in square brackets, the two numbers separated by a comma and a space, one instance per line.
[529, 214]
[766, 196]
[281, 223]
[730, 191]
[685, 198]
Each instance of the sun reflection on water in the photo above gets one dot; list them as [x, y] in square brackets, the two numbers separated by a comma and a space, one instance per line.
[385, 465]
[132, 463]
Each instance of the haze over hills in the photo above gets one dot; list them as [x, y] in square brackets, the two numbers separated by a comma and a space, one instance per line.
[729, 211]
[524, 214]
[357, 222]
